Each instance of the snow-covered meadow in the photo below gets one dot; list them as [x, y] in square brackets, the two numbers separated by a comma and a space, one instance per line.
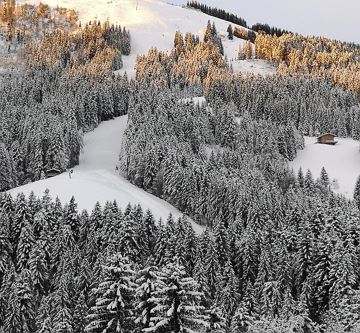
[341, 161]
[253, 66]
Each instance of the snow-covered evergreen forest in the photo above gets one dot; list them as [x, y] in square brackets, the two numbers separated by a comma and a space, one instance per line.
[43, 114]
[277, 252]
[66, 271]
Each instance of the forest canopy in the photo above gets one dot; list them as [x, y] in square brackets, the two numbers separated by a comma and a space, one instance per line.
[279, 251]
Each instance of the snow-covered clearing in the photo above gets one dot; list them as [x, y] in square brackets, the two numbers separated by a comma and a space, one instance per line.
[253, 66]
[8, 61]
[199, 101]
[208, 149]
[342, 162]
[95, 179]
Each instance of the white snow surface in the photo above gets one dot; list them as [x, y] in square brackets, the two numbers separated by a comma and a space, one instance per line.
[153, 23]
[196, 101]
[253, 66]
[341, 161]
[95, 179]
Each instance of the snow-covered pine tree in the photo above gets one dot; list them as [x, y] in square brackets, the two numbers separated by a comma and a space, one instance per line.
[113, 310]
[21, 307]
[128, 238]
[12, 321]
[212, 268]
[147, 235]
[221, 242]
[36, 164]
[56, 157]
[324, 178]
[117, 62]
[342, 272]
[5, 246]
[241, 320]
[80, 313]
[300, 178]
[228, 296]
[39, 270]
[357, 193]
[215, 320]
[177, 302]
[208, 35]
[26, 242]
[6, 169]
[148, 282]
[44, 322]
[230, 32]
[62, 315]
[309, 181]
[72, 219]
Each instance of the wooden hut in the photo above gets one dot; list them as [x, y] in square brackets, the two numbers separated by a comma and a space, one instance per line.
[327, 139]
[52, 173]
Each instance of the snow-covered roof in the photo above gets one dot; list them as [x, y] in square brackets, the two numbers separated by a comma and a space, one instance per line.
[326, 134]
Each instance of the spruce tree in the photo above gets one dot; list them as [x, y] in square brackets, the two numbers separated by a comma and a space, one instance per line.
[177, 302]
[215, 321]
[221, 242]
[300, 178]
[62, 317]
[241, 320]
[5, 246]
[80, 313]
[44, 322]
[127, 238]
[26, 243]
[117, 62]
[324, 178]
[227, 295]
[26, 300]
[56, 157]
[13, 322]
[113, 308]
[208, 35]
[148, 282]
[230, 32]
[39, 270]
[147, 234]
[309, 181]
[212, 269]
[72, 219]
[6, 169]
[357, 193]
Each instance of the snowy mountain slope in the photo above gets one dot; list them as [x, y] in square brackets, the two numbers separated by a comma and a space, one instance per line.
[342, 162]
[152, 23]
[95, 179]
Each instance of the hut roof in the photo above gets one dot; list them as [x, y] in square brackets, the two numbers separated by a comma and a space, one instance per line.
[326, 134]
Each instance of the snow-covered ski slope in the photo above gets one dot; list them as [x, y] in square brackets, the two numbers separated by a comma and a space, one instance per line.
[95, 179]
[342, 162]
[153, 23]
